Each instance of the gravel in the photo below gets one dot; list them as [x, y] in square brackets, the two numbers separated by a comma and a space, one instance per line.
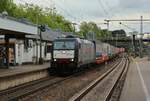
[99, 92]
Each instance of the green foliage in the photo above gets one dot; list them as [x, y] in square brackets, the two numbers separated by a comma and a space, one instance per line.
[7, 5]
[36, 15]
[92, 27]
[48, 16]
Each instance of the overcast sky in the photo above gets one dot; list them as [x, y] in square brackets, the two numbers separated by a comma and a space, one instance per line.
[98, 10]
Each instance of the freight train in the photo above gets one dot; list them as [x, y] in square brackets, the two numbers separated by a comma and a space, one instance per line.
[70, 53]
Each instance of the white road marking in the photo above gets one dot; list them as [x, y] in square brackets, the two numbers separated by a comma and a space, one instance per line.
[143, 83]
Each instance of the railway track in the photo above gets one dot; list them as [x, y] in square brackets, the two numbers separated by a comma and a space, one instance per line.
[111, 95]
[21, 91]
[80, 95]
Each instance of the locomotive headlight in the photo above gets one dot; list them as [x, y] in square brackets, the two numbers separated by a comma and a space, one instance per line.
[63, 52]
[72, 59]
[54, 59]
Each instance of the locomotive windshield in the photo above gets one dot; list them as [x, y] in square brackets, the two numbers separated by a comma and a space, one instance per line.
[64, 45]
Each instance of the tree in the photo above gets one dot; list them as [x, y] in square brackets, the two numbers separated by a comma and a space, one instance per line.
[84, 28]
[90, 27]
[119, 33]
[36, 15]
[7, 5]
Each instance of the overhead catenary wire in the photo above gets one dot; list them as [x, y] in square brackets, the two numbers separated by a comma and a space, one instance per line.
[102, 6]
[64, 10]
[106, 12]
[133, 29]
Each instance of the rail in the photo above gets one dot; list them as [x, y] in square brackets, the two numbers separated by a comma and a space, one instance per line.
[82, 93]
[31, 87]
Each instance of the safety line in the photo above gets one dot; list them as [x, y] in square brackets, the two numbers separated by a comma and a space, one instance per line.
[142, 81]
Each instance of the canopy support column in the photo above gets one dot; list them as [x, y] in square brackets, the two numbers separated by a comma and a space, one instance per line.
[7, 50]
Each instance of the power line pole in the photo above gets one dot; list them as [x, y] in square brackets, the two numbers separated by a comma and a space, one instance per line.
[107, 24]
[133, 34]
[41, 29]
[141, 30]
[133, 44]
[107, 37]
[140, 39]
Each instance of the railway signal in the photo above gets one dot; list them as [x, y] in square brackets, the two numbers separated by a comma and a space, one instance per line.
[42, 28]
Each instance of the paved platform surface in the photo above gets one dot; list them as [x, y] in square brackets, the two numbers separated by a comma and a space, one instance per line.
[137, 84]
[14, 70]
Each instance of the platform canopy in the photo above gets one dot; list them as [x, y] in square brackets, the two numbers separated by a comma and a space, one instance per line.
[9, 25]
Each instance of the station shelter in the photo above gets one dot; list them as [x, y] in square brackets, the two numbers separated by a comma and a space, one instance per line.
[11, 28]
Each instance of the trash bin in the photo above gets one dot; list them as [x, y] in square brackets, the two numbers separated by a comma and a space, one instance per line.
[1, 62]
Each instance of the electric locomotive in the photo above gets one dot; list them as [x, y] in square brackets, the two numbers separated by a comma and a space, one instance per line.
[70, 54]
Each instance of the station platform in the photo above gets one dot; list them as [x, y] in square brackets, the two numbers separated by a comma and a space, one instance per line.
[137, 83]
[17, 75]
[16, 70]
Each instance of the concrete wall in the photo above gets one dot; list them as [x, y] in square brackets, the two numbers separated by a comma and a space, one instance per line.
[15, 80]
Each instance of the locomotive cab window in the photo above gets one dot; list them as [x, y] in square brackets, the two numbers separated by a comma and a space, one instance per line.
[64, 45]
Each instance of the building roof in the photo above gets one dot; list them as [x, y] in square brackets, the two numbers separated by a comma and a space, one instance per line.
[18, 26]
[48, 35]
[21, 20]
